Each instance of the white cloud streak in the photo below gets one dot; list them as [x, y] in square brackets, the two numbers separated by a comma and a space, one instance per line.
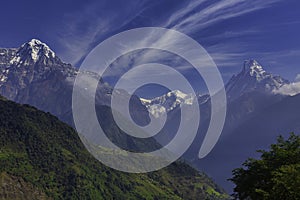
[185, 22]
[219, 11]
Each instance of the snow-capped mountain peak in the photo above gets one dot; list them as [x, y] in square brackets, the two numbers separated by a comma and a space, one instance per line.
[38, 48]
[33, 61]
[32, 52]
[253, 77]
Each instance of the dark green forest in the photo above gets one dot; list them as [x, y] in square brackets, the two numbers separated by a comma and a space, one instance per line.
[43, 158]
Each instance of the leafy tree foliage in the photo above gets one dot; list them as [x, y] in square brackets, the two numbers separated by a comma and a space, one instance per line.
[275, 176]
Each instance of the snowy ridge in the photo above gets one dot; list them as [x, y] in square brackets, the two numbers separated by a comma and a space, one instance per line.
[33, 61]
[30, 62]
[167, 102]
[35, 65]
[253, 77]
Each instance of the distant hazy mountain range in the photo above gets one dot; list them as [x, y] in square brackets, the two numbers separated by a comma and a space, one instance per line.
[257, 112]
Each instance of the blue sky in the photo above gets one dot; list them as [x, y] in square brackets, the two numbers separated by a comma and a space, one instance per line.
[230, 30]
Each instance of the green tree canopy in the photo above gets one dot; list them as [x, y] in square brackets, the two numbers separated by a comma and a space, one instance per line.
[276, 175]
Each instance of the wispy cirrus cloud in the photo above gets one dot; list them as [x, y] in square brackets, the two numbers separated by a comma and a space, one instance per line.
[85, 28]
[203, 15]
[208, 14]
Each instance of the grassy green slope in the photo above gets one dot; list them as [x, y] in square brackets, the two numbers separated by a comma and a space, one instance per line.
[48, 157]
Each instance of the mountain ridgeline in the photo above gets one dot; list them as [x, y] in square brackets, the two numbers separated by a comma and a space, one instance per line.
[43, 158]
[34, 75]
[256, 115]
